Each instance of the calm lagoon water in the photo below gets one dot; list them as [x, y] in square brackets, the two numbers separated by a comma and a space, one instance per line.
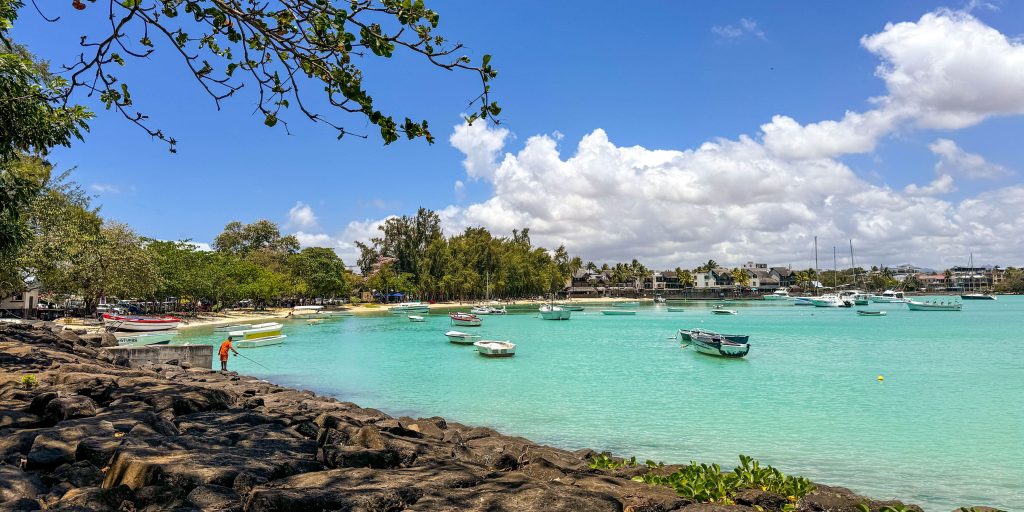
[944, 429]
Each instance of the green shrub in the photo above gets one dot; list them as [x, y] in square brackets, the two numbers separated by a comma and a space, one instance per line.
[28, 381]
[707, 483]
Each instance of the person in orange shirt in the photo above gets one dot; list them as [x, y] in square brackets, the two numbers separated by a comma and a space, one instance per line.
[224, 348]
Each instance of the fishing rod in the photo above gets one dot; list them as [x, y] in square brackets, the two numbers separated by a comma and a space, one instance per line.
[253, 360]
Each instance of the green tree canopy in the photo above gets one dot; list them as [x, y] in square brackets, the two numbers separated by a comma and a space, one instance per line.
[245, 239]
[320, 273]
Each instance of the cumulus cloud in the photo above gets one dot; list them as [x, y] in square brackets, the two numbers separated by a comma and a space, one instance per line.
[745, 26]
[301, 216]
[954, 160]
[941, 185]
[481, 144]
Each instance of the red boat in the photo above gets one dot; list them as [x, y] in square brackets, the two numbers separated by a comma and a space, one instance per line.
[139, 323]
[465, 319]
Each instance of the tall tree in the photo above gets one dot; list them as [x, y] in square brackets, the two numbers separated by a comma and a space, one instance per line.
[321, 273]
[245, 239]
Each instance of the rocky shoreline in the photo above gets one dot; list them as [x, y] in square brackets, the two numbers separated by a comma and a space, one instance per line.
[94, 435]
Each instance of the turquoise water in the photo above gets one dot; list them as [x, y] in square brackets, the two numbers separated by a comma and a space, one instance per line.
[944, 429]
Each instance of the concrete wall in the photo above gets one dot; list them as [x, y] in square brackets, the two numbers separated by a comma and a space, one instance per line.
[199, 356]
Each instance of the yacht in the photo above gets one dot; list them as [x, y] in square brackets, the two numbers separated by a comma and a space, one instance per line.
[890, 296]
[780, 294]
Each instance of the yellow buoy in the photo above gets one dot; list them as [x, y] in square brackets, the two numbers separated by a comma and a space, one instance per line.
[881, 378]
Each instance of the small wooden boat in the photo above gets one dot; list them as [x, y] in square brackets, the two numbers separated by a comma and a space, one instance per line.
[686, 335]
[672, 309]
[488, 348]
[465, 319]
[717, 345]
[233, 327]
[462, 338]
[915, 305]
[617, 312]
[626, 304]
[552, 312]
[720, 311]
[259, 335]
[871, 313]
[139, 323]
[145, 338]
[416, 318]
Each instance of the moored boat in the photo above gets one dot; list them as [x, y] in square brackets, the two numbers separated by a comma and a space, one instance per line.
[462, 338]
[686, 334]
[889, 297]
[489, 348]
[139, 323]
[409, 307]
[718, 345]
[465, 319]
[915, 305]
[722, 311]
[145, 338]
[617, 312]
[778, 295]
[870, 313]
[977, 296]
[671, 309]
[258, 335]
[862, 299]
[831, 300]
[803, 301]
[570, 307]
[416, 318]
[552, 312]
[488, 310]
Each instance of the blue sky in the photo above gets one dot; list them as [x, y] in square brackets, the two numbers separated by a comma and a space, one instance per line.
[659, 75]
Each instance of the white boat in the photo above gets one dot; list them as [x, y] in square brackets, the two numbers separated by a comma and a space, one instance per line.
[465, 319]
[977, 296]
[462, 338]
[488, 348]
[233, 327]
[258, 335]
[552, 312]
[415, 318]
[714, 344]
[803, 301]
[889, 297]
[862, 299]
[488, 310]
[145, 338]
[930, 305]
[139, 323]
[830, 300]
[720, 311]
[409, 307]
[778, 295]
[871, 313]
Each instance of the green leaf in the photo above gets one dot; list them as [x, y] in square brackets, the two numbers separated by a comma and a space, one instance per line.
[270, 120]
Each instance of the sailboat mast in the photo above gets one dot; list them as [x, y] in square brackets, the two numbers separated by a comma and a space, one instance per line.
[853, 265]
[835, 270]
[815, 264]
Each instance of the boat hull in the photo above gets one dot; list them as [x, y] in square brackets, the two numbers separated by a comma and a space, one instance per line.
[871, 313]
[723, 312]
[145, 339]
[462, 338]
[139, 324]
[554, 313]
[613, 312]
[686, 335]
[570, 307]
[933, 306]
[802, 301]
[260, 342]
[495, 348]
[719, 347]
[978, 296]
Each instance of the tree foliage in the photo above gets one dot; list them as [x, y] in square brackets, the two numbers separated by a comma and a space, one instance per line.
[281, 48]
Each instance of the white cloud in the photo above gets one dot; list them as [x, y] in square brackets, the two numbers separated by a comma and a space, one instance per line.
[746, 26]
[105, 188]
[481, 144]
[314, 239]
[301, 216]
[949, 70]
[953, 160]
[941, 185]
